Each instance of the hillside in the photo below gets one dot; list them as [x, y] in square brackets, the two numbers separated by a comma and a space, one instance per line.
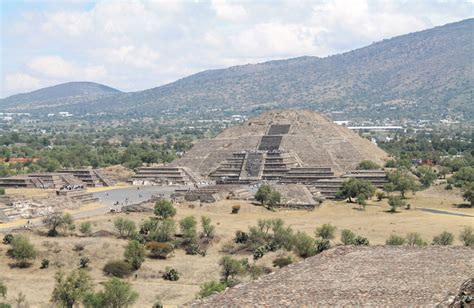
[58, 96]
[427, 73]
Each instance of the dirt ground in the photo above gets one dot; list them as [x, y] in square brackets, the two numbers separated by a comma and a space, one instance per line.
[374, 222]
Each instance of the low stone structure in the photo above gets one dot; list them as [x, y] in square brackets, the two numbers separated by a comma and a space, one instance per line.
[374, 276]
[163, 175]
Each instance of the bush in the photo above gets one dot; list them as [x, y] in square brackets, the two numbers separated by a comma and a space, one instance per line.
[125, 227]
[395, 202]
[282, 261]
[164, 209]
[235, 208]
[68, 291]
[347, 237]
[304, 245]
[444, 239]
[22, 250]
[44, 264]
[85, 228]
[241, 237]
[3, 290]
[395, 240]
[210, 288]
[414, 239]
[171, 274]
[7, 239]
[361, 241]
[118, 268]
[57, 220]
[367, 165]
[135, 254]
[208, 230]
[188, 228]
[467, 236]
[160, 230]
[326, 232]
[193, 248]
[322, 245]
[159, 250]
[157, 304]
[259, 252]
[230, 269]
[84, 262]
[380, 195]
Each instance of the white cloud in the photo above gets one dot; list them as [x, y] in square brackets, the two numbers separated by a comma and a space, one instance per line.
[229, 11]
[57, 67]
[20, 82]
[140, 57]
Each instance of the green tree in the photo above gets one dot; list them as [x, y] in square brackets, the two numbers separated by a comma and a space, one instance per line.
[355, 188]
[304, 245]
[208, 230]
[22, 250]
[164, 209]
[230, 269]
[326, 231]
[402, 182]
[160, 230]
[71, 289]
[57, 220]
[468, 193]
[116, 294]
[188, 228]
[135, 254]
[367, 165]
[86, 228]
[125, 227]
[445, 238]
[395, 202]
[426, 175]
[263, 193]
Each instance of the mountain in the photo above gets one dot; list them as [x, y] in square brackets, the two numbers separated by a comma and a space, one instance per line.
[427, 73]
[58, 96]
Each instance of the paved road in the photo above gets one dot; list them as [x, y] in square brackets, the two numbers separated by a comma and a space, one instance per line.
[439, 212]
[124, 196]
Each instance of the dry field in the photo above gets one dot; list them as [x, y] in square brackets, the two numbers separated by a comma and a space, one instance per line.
[375, 223]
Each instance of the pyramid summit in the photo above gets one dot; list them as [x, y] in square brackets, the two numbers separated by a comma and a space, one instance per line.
[277, 142]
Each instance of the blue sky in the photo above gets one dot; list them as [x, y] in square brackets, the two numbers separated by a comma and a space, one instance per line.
[135, 45]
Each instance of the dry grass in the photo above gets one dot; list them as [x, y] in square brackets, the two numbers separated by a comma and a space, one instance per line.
[374, 223]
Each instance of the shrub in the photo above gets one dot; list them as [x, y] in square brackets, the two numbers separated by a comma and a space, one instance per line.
[188, 228]
[84, 262]
[78, 247]
[44, 264]
[395, 202]
[164, 209]
[230, 269]
[135, 254]
[361, 241]
[193, 248]
[3, 290]
[444, 239]
[235, 208]
[304, 245]
[71, 289]
[160, 230]
[259, 252]
[117, 293]
[282, 261]
[395, 240]
[2, 191]
[85, 228]
[118, 268]
[322, 245]
[22, 250]
[241, 237]
[159, 250]
[256, 271]
[125, 227]
[467, 236]
[210, 288]
[414, 239]
[326, 231]
[208, 230]
[380, 195]
[7, 239]
[171, 274]
[367, 165]
[57, 220]
[347, 237]
[157, 304]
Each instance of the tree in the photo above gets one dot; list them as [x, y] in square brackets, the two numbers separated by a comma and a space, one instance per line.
[164, 209]
[426, 175]
[71, 289]
[230, 269]
[135, 254]
[22, 250]
[125, 227]
[367, 165]
[116, 294]
[188, 228]
[263, 193]
[208, 230]
[468, 193]
[86, 228]
[395, 202]
[210, 288]
[445, 238]
[160, 230]
[326, 231]
[355, 188]
[402, 182]
[347, 237]
[467, 236]
[57, 220]
[274, 199]
[462, 177]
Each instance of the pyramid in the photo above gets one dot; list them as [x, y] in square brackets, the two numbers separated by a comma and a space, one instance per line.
[275, 142]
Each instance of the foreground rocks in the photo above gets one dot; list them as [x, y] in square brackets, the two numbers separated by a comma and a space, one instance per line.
[355, 276]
